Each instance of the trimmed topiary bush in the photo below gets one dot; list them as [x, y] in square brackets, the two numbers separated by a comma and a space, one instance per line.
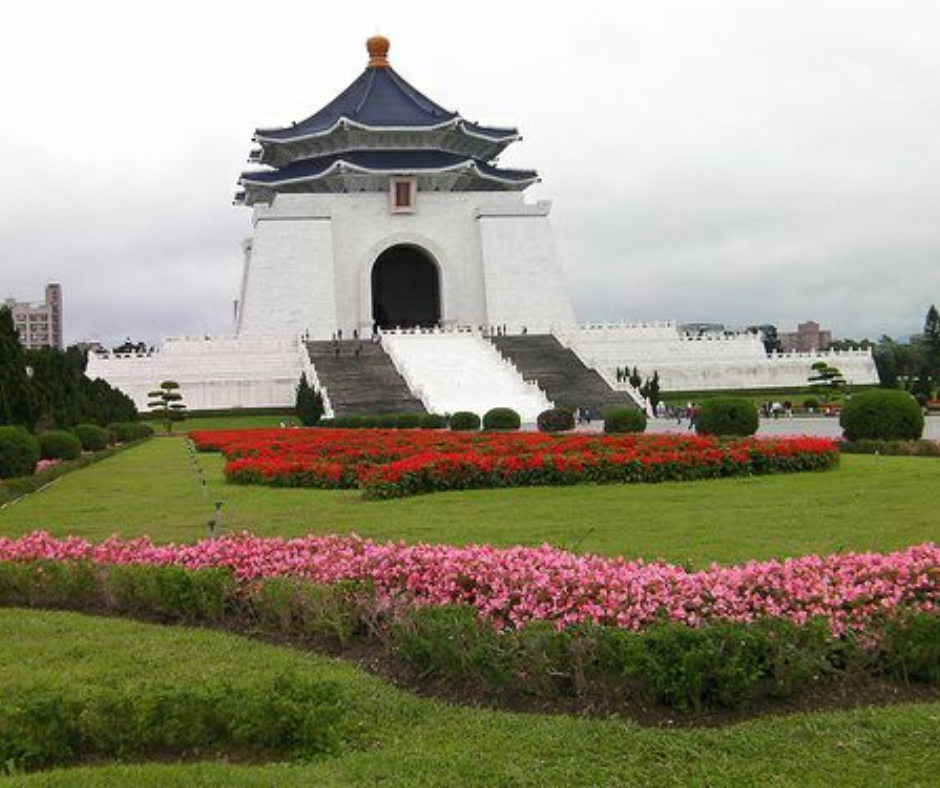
[556, 420]
[19, 452]
[882, 414]
[433, 421]
[727, 416]
[59, 445]
[127, 431]
[625, 420]
[93, 437]
[464, 420]
[501, 419]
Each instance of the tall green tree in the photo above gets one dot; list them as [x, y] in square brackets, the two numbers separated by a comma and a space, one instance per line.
[16, 397]
[309, 403]
[932, 342]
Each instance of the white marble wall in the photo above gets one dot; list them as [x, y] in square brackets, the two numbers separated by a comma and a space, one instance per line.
[310, 264]
[212, 373]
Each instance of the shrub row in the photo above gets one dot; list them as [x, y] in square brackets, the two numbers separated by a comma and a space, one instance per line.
[918, 448]
[723, 665]
[428, 421]
[45, 724]
[20, 451]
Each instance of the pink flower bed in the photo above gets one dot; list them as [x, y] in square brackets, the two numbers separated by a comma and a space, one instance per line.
[853, 591]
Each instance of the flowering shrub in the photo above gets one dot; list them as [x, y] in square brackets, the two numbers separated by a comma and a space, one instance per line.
[517, 586]
[394, 463]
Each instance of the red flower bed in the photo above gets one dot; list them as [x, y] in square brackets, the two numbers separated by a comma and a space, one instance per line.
[395, 463]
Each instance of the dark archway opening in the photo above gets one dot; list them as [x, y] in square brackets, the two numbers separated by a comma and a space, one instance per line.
[406, 289]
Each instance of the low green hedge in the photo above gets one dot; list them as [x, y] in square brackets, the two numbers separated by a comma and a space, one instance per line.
[464, 421]
[385, 421]
[919, 448]
[501, 419]
[127, 431]
[882, 414]
[556, 420]
[290, 714]
[621, 420]
[19, 452]
[59, 445]
[727, 416]
[93, 437]
[720, 666]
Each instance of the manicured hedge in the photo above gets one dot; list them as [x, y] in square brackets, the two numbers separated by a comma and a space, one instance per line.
[556, 420]
[727, 416]
[389, 421]
[882, 414]
[127, 431]
[691, 669]
[45, 724]
[59, 445]
[19, 452]
[921, 448]
[501, 419]
[93, 437]
[464, 420]
[624, 420]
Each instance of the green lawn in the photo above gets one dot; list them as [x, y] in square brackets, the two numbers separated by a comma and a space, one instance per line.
[871, 502]
[407, 741]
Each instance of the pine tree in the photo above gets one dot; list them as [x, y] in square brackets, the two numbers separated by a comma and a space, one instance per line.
[309, 403]
[167, 403]
[16, 398]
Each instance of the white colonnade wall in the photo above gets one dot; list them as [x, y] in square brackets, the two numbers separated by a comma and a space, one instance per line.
[705, 362]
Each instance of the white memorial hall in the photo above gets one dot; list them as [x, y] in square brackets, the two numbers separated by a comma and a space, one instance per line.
[399, 266]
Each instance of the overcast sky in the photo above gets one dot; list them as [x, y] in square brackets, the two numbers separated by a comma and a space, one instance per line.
[737, 162]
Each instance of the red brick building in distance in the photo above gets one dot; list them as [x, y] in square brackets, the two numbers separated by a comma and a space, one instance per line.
[808, 338]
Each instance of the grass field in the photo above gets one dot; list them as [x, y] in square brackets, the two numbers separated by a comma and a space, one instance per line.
[869, 503]
[876, 503]
[408, 741]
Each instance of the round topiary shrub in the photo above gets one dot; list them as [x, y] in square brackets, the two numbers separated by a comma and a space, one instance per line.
[501, 419]
[727, 416]
[556, 420]
[93, 437]
[19, 452]
[624, 420]
[127, 431]
[464, 420]
[433, 421]
[407, 421]
[59, 445]
[811, 403]
[882, 414]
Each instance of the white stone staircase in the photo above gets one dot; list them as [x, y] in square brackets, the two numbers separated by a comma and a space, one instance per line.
[450, 371]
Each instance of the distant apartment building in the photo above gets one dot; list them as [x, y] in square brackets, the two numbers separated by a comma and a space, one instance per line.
[808, 338]
[39, 324]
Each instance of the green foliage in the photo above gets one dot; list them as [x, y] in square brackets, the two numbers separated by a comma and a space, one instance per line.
[931, 367]
[169, 593]
[651, 391]
[19, 452]
[918, 448]
[16, 395]
[59, 445]
[92, 437]
[826, 380]
[882, 414]
[433, 421]
[64, 396]
[622, 420]
[388, 421]
[910, 649]
[727, 416]
[43, 724]
[129, 431]
[464, 420]
[811, 403]
[166, 403]
[309, 403]
[556, 420]
[501, 419]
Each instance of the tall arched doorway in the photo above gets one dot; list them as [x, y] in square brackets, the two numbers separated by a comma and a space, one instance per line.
[406, 288]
